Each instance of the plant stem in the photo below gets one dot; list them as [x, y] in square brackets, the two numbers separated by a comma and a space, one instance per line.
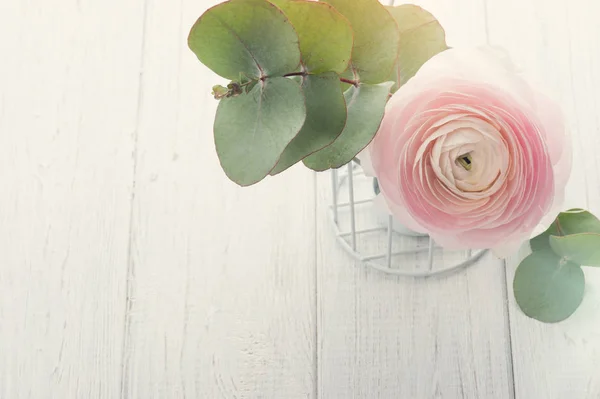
[352, 82]
[295, 74]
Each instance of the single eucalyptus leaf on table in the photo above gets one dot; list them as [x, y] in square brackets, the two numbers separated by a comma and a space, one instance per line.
[252, 37]
[252, 130]
[421, 37]
[547, 287]
[325, 119]
[573, 221]
[366, 105]
[583, 248]
[325, 35]
[376, 39]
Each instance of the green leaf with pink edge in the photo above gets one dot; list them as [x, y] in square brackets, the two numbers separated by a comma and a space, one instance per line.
[253, 129]
[252, 37]
[325, 119]
[421, 37]
[376, 39]
[548, 288]
[326, 37]
[573, 221]
[366, 105]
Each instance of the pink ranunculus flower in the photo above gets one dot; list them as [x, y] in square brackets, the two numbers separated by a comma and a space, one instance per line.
[471, 154]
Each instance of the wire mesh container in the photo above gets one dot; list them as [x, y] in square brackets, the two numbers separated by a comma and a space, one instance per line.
[373, 237]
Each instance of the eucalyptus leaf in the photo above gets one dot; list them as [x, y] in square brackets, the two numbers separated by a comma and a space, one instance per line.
[252, 130]
[577, 221]
[421, 37]
[326, 36]
[573, 221]
[366, 105]
[376, 38]
[548, 288]
[542, 241]
[345, 86]
[279, 3]
[252, 37]
[325, 119]
[583, 248]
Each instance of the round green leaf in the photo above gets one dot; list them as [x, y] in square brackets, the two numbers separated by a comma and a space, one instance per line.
[325, 35]
[421, 37]
[547, 288]
[375, 38]
[570, 222]
[542, 241]
[251, 36]
[253, 129]
[577, 221]
[366, 105]
[325, 119]
[583, 249]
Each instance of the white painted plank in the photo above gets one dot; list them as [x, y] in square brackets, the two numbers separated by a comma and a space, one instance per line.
[68, 103]
[387, 337]
[559, 43]
[383, 336]
[223, 278]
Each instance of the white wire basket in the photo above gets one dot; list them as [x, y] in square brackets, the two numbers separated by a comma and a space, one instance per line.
[373, 237]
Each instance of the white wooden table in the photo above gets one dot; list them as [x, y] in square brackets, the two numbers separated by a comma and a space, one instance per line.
[130, 267]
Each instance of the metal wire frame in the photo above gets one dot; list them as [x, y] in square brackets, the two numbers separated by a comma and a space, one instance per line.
[348, 239]
[350, 245]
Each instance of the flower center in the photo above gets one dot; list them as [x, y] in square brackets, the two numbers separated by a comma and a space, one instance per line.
[466, 161]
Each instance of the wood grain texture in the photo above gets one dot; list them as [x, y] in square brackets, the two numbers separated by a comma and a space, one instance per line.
[387, 337]
[132, 268]
[558, 43]
[68, 104]
[222, 282]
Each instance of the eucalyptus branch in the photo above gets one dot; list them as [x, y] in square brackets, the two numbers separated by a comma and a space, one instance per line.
[349, 81]
[352, 82]
[295, 74]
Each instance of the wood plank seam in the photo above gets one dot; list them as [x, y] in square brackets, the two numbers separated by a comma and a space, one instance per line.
[129, 284]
